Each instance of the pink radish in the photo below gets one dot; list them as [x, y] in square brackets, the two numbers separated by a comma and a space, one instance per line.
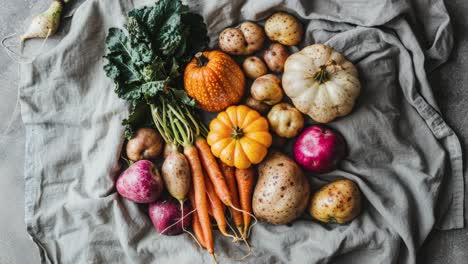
[167, 214]
[140, 183]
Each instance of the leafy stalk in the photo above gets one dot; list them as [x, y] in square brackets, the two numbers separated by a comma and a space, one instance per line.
[145, 60]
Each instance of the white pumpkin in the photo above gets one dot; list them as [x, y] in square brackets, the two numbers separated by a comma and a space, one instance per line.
[321, 82]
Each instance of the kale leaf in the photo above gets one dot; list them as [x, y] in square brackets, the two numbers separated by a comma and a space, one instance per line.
[146, 58]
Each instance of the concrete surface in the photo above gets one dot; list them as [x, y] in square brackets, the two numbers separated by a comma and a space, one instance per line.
[449, 83]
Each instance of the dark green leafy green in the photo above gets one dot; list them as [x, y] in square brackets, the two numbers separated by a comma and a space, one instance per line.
[145, 59]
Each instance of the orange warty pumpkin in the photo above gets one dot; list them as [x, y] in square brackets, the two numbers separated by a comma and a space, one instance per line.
[214, 80]
[239, 136]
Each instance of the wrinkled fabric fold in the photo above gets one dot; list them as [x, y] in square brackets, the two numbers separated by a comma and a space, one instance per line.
[406, 160]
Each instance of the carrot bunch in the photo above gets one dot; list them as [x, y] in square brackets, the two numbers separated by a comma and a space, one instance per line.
[216, 186]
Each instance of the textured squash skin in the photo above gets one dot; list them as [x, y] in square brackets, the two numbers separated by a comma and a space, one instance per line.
[250, 147]
[217, 84]
[324, 96]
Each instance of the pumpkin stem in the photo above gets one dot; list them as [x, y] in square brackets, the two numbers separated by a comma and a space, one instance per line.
[237, 132]
[202, 60]
[322, 75]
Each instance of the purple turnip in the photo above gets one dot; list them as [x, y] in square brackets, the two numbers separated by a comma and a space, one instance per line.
[166, 216]
[319, 149]
[140, 183]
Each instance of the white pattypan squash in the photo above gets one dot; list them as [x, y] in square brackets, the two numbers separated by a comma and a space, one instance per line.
[321, 82]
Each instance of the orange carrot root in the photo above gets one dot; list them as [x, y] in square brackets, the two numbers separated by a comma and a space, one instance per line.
[228, 173]
[198, 231]
[200, 199]
[217, 208]
[245, 182]
[211, 166]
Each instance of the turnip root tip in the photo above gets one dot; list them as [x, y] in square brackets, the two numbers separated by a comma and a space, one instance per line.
[45, 24]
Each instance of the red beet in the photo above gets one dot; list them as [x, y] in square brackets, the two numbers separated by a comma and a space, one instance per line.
[140, 183]
[319, 149]
[166, 216]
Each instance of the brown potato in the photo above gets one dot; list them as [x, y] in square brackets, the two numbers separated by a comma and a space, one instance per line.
[275, 57]
[337, 202]
[284, 28]
[244, 39]
[147, 143]
[285, 120]
[260, 107]
[254, 67]
[282, 191]
[267, 89]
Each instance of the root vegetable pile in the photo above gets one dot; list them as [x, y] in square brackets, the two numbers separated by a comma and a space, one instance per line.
[209, 176]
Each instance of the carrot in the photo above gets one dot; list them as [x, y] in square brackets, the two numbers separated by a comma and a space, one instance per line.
[197, 229]
[228, 173]
[195, 221]
[192, 197]
[199, 189]
[217, 208]
[245, 182]
[210, 211]
[212, 168]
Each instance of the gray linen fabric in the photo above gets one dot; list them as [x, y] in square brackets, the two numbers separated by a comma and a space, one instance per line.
[404, 157]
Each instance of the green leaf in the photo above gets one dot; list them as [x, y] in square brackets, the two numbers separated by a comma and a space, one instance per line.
[145, 61]
[161, 11]
[140, 42]
[120, 58]
[170, 35]
[196, 34]
[182, 96]
[139, 116]
[151, 89]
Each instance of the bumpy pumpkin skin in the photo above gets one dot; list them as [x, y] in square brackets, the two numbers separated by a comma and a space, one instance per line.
[239, 136]
[337, 202]
[322, 97]
[215, 81]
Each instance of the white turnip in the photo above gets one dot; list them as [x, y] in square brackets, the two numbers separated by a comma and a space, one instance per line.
[176, 173]
[46, 23]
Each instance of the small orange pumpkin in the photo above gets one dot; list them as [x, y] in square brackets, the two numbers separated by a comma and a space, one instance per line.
[214, 80]
[239, 136]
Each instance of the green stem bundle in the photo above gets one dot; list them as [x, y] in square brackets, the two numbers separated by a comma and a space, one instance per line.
[175, 121]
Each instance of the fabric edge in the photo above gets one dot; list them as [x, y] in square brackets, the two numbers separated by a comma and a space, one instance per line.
[442, 131]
